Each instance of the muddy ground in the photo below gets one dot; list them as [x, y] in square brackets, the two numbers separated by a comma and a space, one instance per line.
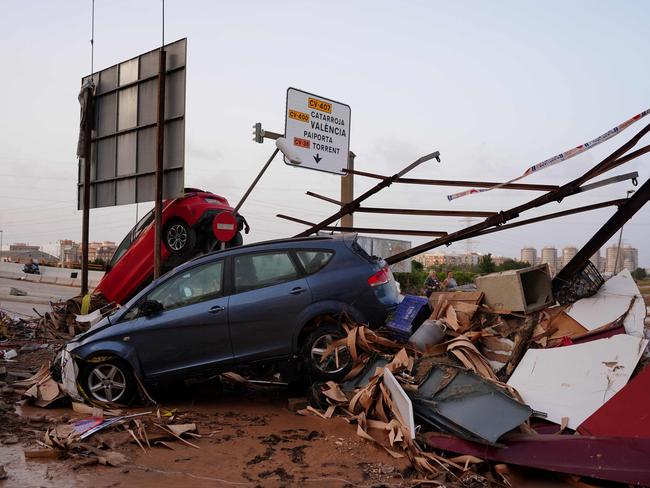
[248, 438]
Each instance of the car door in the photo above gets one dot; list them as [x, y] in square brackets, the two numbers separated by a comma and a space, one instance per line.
[191, 332]
[268, 295]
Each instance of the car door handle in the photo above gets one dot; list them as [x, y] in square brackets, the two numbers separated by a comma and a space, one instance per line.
[216, 309]
[298, 290]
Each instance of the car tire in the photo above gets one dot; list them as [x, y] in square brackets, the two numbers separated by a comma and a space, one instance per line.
[109, 380]
[178, 237]
[335, 367]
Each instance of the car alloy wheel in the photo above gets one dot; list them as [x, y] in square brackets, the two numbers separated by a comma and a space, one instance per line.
[107, 382]
[335, 362]
[177, 237]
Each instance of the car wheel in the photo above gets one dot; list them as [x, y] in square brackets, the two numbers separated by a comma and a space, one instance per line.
[110, 380]
[178, 237]
[337, 364]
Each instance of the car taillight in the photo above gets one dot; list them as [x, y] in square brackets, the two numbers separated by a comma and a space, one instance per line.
[381, 277]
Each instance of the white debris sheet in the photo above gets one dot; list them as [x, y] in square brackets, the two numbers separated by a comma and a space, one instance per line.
[401, 401]
[611, 302]
[575, 381]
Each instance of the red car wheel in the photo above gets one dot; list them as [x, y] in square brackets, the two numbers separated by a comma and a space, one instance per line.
[178, 237]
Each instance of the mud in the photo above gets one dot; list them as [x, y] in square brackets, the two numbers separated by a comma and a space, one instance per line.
[248, 439]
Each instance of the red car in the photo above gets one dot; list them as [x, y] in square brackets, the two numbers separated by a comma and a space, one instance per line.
[187, 232]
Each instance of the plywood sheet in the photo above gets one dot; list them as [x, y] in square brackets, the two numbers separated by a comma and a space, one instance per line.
[575, 381]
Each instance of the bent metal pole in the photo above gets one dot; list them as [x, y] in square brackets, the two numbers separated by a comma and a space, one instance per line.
[348, 208]
[612, 161]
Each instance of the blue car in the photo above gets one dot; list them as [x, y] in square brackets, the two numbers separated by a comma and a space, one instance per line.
[272, 302]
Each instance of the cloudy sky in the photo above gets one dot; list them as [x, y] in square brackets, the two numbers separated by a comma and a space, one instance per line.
[494, 86]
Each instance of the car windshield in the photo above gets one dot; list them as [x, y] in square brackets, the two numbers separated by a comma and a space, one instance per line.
[130, 237]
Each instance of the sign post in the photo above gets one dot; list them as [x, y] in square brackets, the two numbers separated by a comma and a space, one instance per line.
[160, 142]
[224, 227]
[316, 132]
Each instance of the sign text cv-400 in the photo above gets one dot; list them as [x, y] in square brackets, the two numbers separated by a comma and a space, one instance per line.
[318, 130]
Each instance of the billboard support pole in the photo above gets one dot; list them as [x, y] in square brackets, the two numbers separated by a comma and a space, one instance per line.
[160, 141]
[85, 219]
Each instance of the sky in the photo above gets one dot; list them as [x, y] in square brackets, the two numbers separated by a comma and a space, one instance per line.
[494, 86]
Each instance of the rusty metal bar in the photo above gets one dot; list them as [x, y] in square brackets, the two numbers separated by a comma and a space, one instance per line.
[354, 204]
[257, 178]
[368, 230]
[322, 197]
[479, 184]
[434, 213]
[408, 211]
[625, 212]
[610, 162]
[614, 179]
[554, 215]
[394, 232]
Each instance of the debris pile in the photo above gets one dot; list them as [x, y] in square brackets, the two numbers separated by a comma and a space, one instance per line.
[62, 322]
[545, 387]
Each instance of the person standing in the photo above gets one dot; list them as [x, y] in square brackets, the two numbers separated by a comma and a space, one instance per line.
[431, 284]
[450, 282]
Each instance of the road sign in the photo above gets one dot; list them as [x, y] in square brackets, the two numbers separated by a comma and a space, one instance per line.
[123, 155]
[317, 131]
[224, 226]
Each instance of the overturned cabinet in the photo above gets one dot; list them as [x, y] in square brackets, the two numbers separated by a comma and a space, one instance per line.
[519, 290]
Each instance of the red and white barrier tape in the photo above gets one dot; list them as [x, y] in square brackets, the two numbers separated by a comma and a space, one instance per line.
[559, 158]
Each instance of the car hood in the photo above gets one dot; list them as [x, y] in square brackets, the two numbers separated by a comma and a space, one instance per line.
[108, 321]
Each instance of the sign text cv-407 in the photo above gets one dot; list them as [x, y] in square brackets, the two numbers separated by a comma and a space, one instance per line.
[318, 131]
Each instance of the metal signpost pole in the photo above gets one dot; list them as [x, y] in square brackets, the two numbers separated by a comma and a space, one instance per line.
[160, 140]
[347, 191]
[620, 241]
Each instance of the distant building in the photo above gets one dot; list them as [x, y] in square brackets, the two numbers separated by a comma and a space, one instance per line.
[69, 252]
[628, 257]
[529, 255]
[25, 253]
[22, 247]
[597, 261]
[549, 256]
[101, 250]
[568, 253]
[440, 259]
[378, 246]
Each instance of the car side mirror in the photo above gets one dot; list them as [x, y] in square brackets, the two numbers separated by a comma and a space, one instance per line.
[149, 308]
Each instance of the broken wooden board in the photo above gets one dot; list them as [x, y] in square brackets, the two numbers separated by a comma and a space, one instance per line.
[470, 297]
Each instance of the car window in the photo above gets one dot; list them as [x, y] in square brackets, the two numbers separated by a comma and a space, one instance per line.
[191, 286]
[130, 237]
[314, 261]
[259, 270]
[144, 222]
[121, 250]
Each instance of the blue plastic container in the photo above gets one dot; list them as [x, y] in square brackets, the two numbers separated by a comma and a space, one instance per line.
[402, 320]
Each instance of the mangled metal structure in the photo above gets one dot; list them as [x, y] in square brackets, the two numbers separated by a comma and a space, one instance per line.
[570, 277]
